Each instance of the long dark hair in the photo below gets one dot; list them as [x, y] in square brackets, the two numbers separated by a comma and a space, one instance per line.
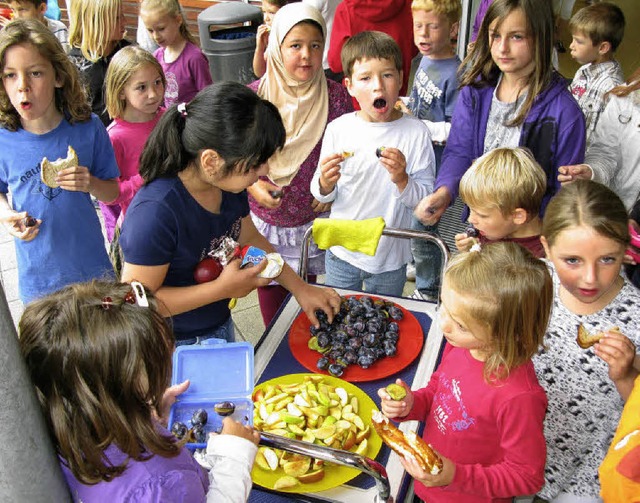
[100, 366]
[227, 117]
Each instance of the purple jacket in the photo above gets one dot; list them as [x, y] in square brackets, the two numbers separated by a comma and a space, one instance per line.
[482, 11]
[554, 131]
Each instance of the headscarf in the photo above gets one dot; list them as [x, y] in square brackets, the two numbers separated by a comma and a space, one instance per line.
[303, 105]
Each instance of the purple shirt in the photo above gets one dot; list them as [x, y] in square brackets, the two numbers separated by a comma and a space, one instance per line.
[159, 479]
[186, 75]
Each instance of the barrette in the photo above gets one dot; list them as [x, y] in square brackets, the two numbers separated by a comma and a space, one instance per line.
[182, 108]
[476, 248]
[141, 295]
[107, 302]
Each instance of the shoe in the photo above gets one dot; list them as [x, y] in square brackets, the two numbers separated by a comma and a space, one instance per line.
[411, 272]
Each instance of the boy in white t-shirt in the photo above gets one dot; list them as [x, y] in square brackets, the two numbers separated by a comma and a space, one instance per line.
[35, 9]
[376, 162]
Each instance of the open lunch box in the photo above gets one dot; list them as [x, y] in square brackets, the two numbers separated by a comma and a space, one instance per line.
[218, 372]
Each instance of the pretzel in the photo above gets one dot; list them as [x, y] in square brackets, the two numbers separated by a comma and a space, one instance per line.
[585, 340]
[406, 445]
[49, 169]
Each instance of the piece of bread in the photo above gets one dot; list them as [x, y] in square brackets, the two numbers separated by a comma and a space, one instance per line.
[49, 169]
[585, 340]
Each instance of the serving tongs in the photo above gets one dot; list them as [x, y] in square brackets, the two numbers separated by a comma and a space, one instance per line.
[336, 456]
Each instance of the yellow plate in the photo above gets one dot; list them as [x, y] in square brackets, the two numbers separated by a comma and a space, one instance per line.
[334, 475]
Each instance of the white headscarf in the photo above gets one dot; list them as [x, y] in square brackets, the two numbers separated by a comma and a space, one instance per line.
[303, 105]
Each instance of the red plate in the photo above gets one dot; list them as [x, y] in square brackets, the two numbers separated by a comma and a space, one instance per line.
[409, 346]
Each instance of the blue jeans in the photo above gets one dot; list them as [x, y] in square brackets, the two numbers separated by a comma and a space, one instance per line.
[341, 274]
[428, 259]
[224, 331]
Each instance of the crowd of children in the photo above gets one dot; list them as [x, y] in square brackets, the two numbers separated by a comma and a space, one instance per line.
[545, 165]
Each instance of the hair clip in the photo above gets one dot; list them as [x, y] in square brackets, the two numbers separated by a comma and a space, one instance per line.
[141, 295]
[476, 248]
[182, 108]
[107, 302]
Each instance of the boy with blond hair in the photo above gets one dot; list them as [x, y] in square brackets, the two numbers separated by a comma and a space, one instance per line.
[504, 190]
[376, 162]
[432, 99]
[35, 9]
[596, 32]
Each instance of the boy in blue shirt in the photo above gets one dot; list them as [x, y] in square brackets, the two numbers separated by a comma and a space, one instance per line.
[375, 162]
[432, 99]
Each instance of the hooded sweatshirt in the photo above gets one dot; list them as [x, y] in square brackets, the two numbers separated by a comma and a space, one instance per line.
[389, 16]
[554, 131]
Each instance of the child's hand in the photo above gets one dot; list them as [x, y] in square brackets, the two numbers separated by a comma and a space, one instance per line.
[238, 282]
[312, 298]
[430, 210]
[262, 37]
[444, 478]
[395, 163]
[74, 179]
[464, 242]
[619, 353]
[402, 107]
[231, 427]
[568, 174]
[16, 225]
[396, 408]
[261, 191]
[168, 399]
[330, 173]
[319, 207]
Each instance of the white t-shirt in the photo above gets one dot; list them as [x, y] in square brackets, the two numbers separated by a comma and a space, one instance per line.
[365, 189]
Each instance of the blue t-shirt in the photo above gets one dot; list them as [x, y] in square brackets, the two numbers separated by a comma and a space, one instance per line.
[70, 246]
[435, 92]
[166, 225]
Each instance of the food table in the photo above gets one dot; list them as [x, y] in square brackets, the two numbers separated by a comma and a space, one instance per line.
[274, 358]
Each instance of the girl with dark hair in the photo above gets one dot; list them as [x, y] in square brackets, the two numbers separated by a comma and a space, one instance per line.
[585, 235]
[196, 165]
[510, 96]
[99, 355]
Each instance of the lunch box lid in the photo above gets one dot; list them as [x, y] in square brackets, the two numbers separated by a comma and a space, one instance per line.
[217, 370]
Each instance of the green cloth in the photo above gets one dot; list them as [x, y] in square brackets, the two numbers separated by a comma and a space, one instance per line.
[355, 235]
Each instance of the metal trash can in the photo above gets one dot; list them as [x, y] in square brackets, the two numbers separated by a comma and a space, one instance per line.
[230, 47]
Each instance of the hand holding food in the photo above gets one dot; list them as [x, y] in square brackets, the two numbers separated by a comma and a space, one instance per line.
[21, 225]
[49, 169]
[585, 339]
[330, 172]
[396, 400]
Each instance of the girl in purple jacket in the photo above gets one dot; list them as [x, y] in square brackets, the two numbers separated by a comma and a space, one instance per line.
[510, 97]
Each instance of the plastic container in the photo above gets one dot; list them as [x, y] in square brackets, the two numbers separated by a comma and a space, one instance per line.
[219, 372]
[228, 40]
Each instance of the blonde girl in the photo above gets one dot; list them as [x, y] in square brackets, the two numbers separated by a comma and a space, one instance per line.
[96, 31]
[585, 236]
[269, 9]
[99, 355]
[483, 407]
[43, 112]
[510, 97]
[185, 66]
[134, 86]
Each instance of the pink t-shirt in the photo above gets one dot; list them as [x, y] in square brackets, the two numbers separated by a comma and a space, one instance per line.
[493, 433]
[186, 75]
[128, 139]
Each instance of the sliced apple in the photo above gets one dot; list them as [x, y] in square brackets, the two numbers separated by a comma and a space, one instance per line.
[311, 477]
[297, 467]
[363, 434]
[286, 482]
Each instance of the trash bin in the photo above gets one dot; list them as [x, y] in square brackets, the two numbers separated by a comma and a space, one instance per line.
[230, 47]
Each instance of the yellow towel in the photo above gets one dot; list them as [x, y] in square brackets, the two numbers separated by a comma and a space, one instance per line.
[355, 235]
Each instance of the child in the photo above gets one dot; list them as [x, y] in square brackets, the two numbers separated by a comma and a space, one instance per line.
[585, 236]
[391, 168]
[307, 102]
[503, 190]
[99, 355]
[35, 9]
[43, 111]
[613, 157]
[392, 17]
[269, 9]
[596, 32]
[185, 66]
[97, 28]
[483, 407]
[135, 89]
[434, 94]
[196, 164]
[510, 97]
[327, 9]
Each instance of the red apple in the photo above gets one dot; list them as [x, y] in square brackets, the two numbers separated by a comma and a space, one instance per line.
[207, 270]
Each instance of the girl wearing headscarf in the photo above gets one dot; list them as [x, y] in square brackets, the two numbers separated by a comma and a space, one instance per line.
[282, 206]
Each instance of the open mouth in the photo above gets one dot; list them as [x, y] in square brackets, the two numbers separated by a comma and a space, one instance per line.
[25, 105]
[379, 103]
